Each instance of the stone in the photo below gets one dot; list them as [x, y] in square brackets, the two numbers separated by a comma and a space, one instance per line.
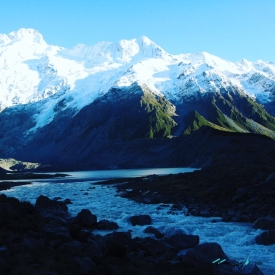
[45, 206]
[158, 249]
[85, 264]
[107, 225]
[265, 223]
[182, 241]
[266, 238]
[154, 231]
[140, 220]
[204, 254]
[86, 218]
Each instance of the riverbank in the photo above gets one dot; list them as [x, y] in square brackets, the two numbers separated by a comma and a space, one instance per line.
[46, 239]
[240, 191]
[10, 180]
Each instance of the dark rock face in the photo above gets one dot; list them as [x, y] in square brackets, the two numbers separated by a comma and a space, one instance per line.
[140, 220]
[266, 238]
[265, 223]
[86, 218]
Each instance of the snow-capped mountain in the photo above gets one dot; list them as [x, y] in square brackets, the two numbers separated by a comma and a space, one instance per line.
[52, 97]
[32, 70]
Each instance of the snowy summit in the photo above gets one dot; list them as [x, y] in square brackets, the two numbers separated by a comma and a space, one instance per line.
[32, 70]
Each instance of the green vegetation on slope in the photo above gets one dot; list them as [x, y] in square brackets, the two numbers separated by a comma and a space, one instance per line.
[197, 121]
[143, 115]
[232, 110]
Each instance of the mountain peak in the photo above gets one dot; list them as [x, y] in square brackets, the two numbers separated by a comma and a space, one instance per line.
[28, 35]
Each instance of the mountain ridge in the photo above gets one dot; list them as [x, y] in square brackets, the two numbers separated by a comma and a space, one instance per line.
[53, 99]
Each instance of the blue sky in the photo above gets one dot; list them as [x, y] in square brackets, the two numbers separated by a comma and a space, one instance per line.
[230, 29]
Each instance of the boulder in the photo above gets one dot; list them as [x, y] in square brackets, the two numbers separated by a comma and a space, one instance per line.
[205, 254]
[158, 249]
[140, 220]
[85, 265]
[47, 206]
[78, 249]
[266, 238]
[266, 223]
[86, 218]
[206, 259]
[182, 241]
[154, 231]
[107, 225]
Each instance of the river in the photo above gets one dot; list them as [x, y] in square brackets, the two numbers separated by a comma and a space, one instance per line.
[236, 239]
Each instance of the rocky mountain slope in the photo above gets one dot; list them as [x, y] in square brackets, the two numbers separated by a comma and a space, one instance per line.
[90, 105]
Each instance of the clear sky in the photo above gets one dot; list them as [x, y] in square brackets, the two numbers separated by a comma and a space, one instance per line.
[230, 29]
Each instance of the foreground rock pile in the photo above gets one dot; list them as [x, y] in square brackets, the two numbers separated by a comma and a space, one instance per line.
[45, 240]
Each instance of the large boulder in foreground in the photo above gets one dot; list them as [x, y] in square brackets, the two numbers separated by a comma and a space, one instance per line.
[211, 259]
[47, 206]
[205, 254]
[140, 220]
[86, 218]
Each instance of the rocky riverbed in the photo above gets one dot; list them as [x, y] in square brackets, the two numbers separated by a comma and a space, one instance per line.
[45, 239]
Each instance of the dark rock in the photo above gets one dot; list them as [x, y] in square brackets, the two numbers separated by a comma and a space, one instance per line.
[242, 191]
[3, 197]
[121, 237]
[75, 248]
[158, 249]
[154, 231]
[265, 223]
[86, 218]
[67, 201]
[56, 234]
[4, 251]
[237, 198]
[266, 238]
[140, 220]
[205, 213]
[182, 241]
[45, 206]
[6, 209]
[107, 225]
[252, 208]
[85, 264]
[203, 255]
[28, 244]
